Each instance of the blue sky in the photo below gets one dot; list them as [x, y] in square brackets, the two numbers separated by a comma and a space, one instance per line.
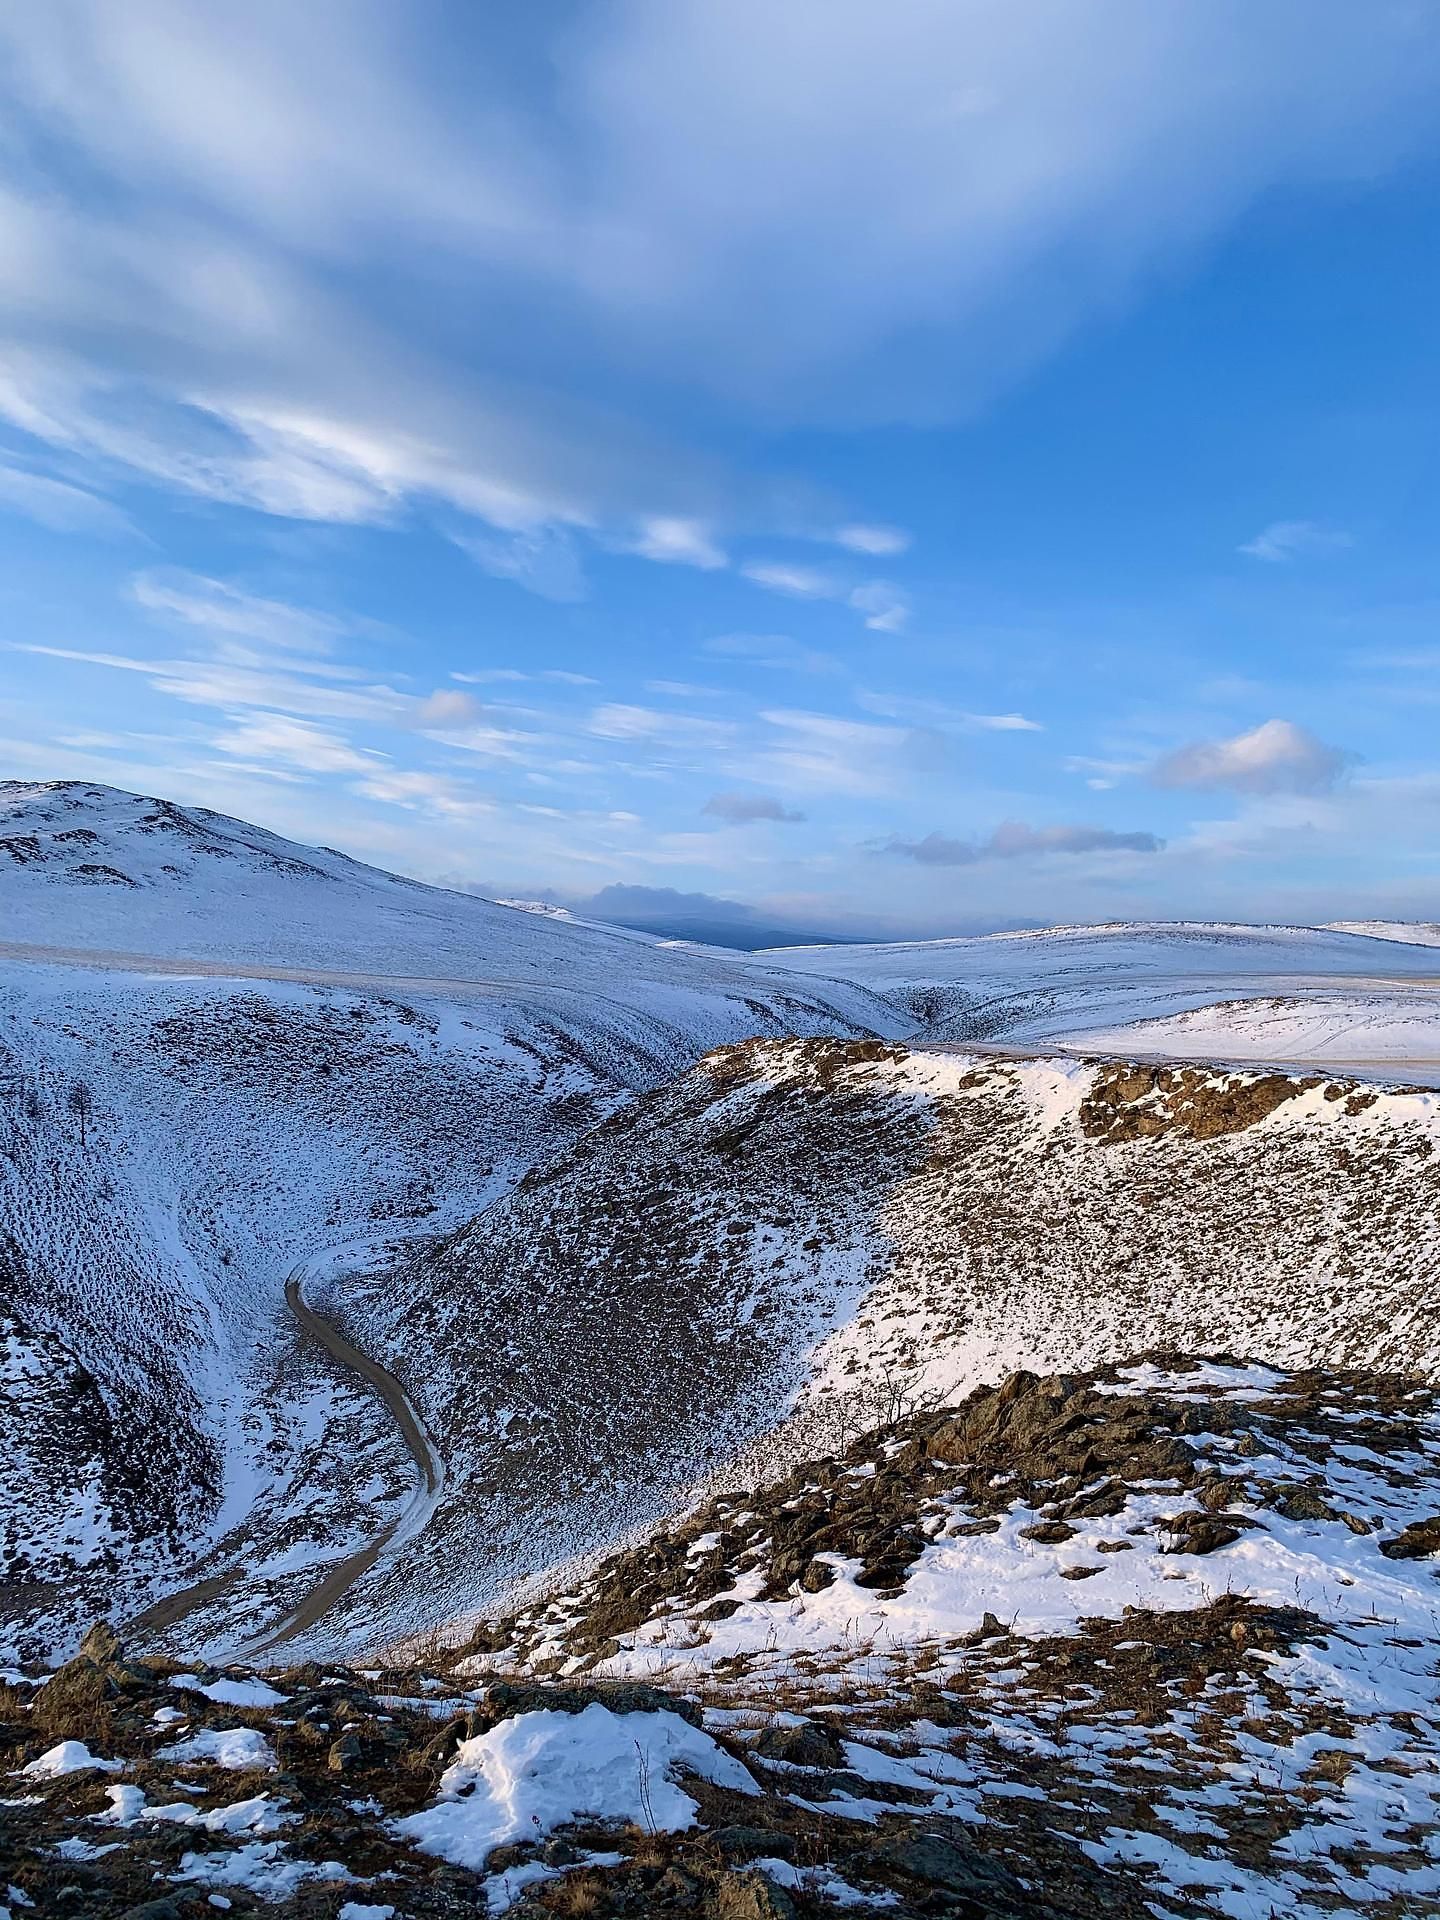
[888, 469]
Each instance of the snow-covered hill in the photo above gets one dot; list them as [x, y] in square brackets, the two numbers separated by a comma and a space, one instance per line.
[1181, 1616]
[1150, 1642]
[1067, 985]
[278, 1052]
[125, 878]
[798, 1240]
[1419, 933]
[226, 1059]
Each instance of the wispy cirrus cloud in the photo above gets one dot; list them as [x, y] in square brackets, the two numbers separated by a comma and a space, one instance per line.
[1286, 540]
[543, 560]
[298, 743]
[422, 792]
[884, 606]
[59, 506]
[218, 607]
[936, 713]
[776, 652]
[827, 753]
[212, 326]
[798, 582]
[618, 721]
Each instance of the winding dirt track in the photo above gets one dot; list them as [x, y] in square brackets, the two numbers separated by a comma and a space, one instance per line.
[343, 1575]
[339, 1578]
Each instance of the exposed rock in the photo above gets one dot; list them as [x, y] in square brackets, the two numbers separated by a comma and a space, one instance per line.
[753, 1843]
[1303, 1503]
[808, 1745]
[1048, 1533]
[938, 1862]
[1141, 1103]
[1415, 1542]
[503, 1701]
[101, 1643]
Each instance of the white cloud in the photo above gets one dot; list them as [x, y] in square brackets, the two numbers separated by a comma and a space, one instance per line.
[879, 541]
[446, 707]
[686, 543]
[543, 560]
[934, 713]
[885, 607]
[819, 752]
[499, 745]
[57, 505]
[776, 651]
[974, 181]
[220, 608]
[425, 793]
[801, 583]
[1288, 539]
[226, 684]
[1277, 757]
[620, 722]
[1016, 172]
[296, 743]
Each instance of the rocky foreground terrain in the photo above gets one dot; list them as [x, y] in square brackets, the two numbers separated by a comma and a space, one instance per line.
[1159, 1639]
[537, 1446]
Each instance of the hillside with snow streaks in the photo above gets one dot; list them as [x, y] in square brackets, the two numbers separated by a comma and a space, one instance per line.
[1065, 985]
[607, 1277]
[164, 1425]
[235, 1129]
[128, 880]
[1420, 933]
[799, 1240]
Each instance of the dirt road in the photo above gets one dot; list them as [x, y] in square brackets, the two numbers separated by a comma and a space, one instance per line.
[337, 1579]
[343, 1575]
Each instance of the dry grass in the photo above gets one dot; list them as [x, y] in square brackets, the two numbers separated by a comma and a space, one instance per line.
[577, 1894]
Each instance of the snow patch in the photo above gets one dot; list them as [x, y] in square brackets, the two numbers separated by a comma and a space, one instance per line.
[235, 1748]
[540, 1770]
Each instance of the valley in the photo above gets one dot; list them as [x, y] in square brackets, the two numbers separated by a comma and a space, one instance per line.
[498, 1300]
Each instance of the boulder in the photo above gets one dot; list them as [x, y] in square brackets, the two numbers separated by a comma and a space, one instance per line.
[807, 1745]
[752, 1843]
[1415, 1542]
[938, 1862]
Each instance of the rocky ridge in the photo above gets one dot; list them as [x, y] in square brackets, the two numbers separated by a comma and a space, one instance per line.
[1248, 1721]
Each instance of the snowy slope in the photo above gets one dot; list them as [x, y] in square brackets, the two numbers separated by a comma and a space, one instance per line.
[1182, 1615]
[319, 1059]
[317, 1056]
[236, 1129]
[1065, 983]
[800, 1239]
[1419, 933]
[1396, 1032]
[121, 876]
